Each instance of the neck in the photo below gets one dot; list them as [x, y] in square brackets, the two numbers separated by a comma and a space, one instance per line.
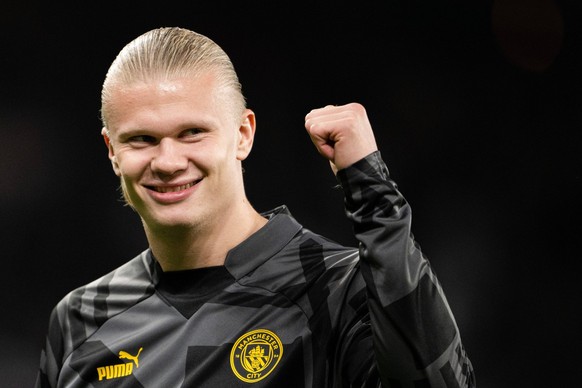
[204, 245]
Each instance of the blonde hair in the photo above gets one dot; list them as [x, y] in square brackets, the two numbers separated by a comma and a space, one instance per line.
[166, 53]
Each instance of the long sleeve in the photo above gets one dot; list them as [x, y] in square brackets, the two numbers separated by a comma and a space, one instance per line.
[50, 355]
[415, 337]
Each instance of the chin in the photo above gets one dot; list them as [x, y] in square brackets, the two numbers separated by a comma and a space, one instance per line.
[173, 221]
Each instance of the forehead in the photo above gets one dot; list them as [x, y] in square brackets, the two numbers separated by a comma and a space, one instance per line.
[169, 102]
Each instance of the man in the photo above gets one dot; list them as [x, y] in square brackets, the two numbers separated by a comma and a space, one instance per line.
[225, 296]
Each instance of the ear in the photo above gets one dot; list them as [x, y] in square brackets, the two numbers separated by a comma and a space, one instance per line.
[246, 134]
[111, 153]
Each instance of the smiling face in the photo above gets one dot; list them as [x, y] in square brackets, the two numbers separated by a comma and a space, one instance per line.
[177, 146]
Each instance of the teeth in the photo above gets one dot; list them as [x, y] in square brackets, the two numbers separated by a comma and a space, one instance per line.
[174, 189]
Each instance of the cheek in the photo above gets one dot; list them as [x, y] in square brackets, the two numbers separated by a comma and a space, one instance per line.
[131, 166]
[210, 157]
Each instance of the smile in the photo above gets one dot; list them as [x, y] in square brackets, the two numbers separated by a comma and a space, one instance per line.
[172, 189]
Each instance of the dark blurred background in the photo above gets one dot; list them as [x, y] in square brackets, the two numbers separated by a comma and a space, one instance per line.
[477, 110]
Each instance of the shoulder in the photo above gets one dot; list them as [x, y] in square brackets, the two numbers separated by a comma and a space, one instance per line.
[83, 310]
[308, 259]
[285, 255]
[131, 279]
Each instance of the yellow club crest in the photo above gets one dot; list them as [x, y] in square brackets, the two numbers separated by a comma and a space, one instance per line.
[255, 355]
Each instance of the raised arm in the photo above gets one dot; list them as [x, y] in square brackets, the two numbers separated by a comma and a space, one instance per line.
[416, 340]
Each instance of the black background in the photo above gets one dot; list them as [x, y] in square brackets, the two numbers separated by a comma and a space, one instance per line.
[477, 110]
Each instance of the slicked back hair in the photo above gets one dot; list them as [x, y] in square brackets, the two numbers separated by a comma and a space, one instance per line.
[166, 53]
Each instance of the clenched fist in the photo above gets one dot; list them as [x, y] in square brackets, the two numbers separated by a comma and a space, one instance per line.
[342, 134]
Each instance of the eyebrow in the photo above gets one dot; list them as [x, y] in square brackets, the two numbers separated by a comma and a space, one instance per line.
[123, 133]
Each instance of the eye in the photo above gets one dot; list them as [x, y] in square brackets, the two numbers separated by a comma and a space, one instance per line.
[141, 140]
[191, 132]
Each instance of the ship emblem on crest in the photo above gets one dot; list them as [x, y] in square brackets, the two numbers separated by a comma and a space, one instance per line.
[255, 355]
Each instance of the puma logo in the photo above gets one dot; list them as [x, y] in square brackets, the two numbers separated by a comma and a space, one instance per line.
[123, 354]
[119, 370]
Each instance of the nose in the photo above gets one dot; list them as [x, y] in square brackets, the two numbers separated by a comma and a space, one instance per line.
[168, 158]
